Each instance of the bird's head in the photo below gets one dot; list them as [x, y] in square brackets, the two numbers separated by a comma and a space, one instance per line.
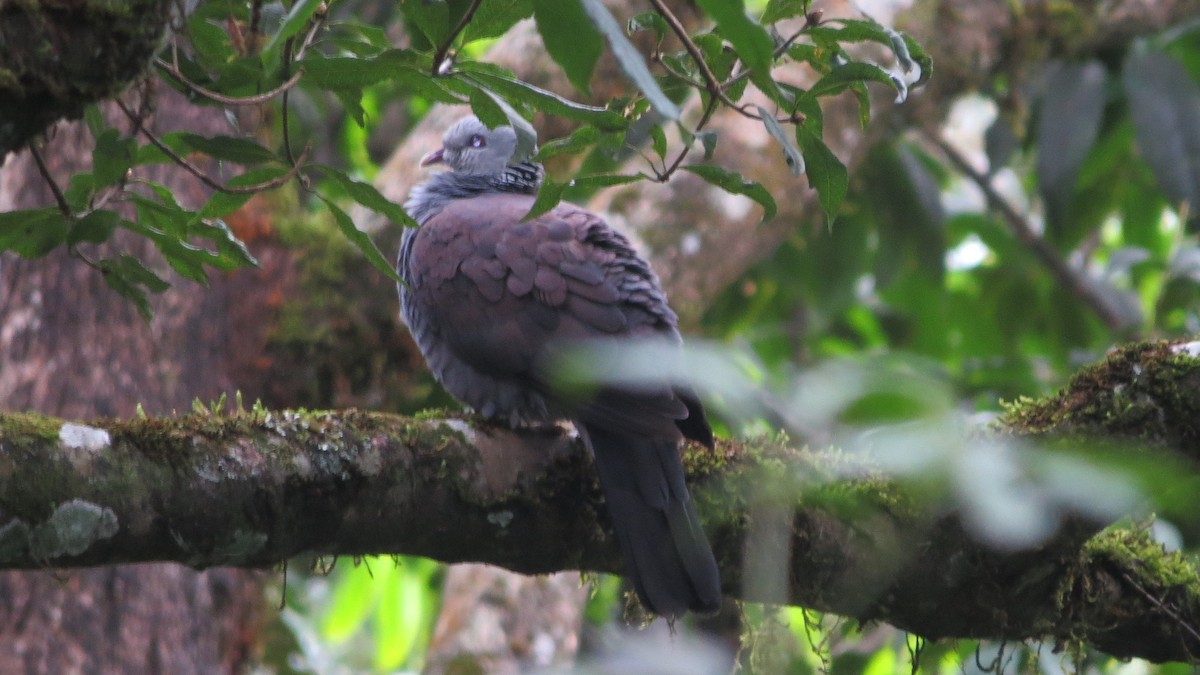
[470, 147]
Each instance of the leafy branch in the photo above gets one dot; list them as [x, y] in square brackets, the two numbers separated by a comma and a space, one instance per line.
[225, 55]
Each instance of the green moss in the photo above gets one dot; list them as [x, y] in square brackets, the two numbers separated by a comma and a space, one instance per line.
[61, 56]
[1144, 392]
[1136, 552]
[19, 428]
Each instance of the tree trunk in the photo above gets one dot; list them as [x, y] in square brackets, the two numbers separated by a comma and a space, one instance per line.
[74, 348]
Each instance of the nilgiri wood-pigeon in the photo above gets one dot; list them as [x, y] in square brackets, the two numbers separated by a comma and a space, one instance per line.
[491, 298]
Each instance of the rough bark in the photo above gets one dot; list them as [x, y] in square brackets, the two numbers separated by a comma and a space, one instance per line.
[257, 487]
[73, 347]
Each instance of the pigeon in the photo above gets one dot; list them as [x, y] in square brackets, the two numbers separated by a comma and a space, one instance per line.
[492, 298]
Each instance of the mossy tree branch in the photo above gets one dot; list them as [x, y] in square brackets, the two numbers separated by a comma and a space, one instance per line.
[255, 488]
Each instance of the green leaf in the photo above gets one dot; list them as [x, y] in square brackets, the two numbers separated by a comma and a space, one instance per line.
[501, 82]
[658, 139]
[131, 279]
[96, 227]
[350, 605]
[579, 139]
[228, 148]
[1164, 103]
[347, 72]
[495, 17]
[32, 233]
[166, 224]
[295, 20]
[648, 21]
[402, 618]
[569, 38]
[368, 196]
[210, 41]
[734, 183]
[826, 173]
[112, 157]
[784, 9]
[94, 119]
[791, 155]
[223, 203]
[631, 62]
[708, 141]
[548, 196]
[361, 240]
[844, 76]
[431, 17]
[1068, 123]
[79, 191]
[231, 252]
[351, 100]
[751, 40]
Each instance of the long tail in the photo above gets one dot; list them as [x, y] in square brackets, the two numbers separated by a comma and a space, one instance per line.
[666, 553]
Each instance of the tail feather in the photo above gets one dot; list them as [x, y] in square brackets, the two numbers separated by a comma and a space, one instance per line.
[667, 555]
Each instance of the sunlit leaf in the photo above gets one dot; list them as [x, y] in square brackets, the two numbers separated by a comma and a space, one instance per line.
[350, 605]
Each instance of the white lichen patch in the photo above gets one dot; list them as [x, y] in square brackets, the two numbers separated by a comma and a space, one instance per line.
[501, 518]
[1192, 349]
[461, 427]
[72, 529]
[83, 437]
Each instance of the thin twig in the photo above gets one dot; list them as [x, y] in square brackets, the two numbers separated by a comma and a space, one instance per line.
[211, 95]
[283, 110]
[205, 178]
[711, 84]
[1158, 604]
[708, 113]
[779, 51]
[440, 55]
[58, 193]
[1073, 280]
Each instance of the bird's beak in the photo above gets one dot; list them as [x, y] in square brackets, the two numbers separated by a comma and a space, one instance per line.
[434, 157]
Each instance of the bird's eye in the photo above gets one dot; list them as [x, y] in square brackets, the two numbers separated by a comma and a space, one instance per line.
[478, 141]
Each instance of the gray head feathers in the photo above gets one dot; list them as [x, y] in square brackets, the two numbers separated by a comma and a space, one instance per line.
[468, 146]
[479, 159]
